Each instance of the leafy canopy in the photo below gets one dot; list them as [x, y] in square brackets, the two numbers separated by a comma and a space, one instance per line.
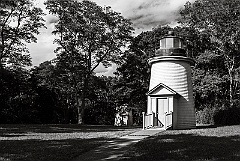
[90, 31]
[219, 22]
[20, 20]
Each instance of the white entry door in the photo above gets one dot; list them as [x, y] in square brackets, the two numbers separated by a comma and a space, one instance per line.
[162, 108]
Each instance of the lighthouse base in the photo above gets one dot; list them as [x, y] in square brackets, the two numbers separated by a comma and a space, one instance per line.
[166, 110]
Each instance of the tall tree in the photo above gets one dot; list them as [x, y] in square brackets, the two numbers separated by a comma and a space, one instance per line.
[102, 101]
[20, 20]
[88, 35]
[48, 96]
[219, 20]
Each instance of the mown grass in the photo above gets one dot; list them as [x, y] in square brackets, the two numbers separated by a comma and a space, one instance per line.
[214, 143]
[53, 142]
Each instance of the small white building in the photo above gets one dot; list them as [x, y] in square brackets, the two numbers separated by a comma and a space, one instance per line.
[170, 96]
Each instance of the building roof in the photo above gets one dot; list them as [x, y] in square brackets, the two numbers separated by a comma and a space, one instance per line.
[159, 90]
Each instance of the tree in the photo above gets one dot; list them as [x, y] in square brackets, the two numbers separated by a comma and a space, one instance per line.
[102, 101]
[19, 21]
[88, 36]
[17, 97]
[219, 21]
[47, 87]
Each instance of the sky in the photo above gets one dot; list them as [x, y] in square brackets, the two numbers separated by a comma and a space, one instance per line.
[144, 14]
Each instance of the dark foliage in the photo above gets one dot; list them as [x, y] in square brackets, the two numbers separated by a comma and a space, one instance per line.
[102, 113]
[16, 97]
[229, 116]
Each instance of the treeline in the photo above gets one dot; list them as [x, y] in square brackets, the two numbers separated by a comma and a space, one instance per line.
[66, 89]
[42, 95]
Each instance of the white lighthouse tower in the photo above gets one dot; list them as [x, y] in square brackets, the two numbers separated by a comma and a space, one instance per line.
[170, 95]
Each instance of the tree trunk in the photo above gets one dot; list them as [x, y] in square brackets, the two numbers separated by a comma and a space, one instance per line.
[80, 116]
[230, 66]
[231, 90]
[81, 108]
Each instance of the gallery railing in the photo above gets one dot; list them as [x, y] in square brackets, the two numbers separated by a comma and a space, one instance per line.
[148, 120]
[168, 120]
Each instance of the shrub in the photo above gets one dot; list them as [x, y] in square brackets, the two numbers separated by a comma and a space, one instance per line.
[102, 113]
[205, 116]
[229, 116]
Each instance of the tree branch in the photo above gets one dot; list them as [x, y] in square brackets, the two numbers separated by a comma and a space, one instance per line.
[2, 33]
[100, 60]
[16, 34]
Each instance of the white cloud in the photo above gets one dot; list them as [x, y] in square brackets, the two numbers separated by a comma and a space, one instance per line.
[101, 70]
[43, 50]
[146, 14]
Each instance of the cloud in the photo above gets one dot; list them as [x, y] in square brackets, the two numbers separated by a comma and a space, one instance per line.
[51, 19]
[43, 50]
[101, 70]
[146, 14]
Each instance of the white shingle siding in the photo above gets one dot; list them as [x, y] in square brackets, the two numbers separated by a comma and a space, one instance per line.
[176, 74]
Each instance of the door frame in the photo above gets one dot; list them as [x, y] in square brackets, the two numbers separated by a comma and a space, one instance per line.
[161, 116]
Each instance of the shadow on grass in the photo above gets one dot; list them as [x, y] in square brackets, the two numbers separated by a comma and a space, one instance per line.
[58, 128]
[185, 147]
[206, 126]
[52, 150]
[112, 150]
[58, 143]
[11, 135]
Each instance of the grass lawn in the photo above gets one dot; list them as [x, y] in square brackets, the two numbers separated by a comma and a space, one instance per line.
[53, 142]
[220, 143]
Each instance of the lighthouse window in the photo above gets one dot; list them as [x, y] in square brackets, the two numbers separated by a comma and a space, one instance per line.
[163, 43]
[169, 43]
[177, 43]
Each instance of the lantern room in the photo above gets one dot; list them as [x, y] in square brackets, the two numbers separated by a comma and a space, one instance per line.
[171, 45]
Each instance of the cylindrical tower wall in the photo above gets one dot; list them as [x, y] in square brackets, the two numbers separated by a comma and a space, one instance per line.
[175, 72]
